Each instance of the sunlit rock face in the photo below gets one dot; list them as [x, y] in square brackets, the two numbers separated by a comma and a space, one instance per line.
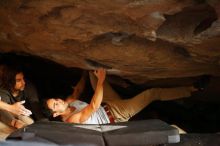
[139, 40]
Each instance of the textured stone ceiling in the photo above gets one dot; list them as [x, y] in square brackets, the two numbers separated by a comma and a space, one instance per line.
[139, 40]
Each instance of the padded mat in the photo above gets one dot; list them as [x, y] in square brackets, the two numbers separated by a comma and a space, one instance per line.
[128, 134]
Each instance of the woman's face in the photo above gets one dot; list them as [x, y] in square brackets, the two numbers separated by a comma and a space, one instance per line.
[56, 105]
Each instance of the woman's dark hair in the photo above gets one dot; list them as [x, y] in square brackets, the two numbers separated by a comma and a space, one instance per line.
[48, 112]
[7, 76]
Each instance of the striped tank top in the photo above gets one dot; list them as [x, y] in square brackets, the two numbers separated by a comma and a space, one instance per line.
[99, 117]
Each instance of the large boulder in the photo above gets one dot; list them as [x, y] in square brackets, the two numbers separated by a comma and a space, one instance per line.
[138, 40]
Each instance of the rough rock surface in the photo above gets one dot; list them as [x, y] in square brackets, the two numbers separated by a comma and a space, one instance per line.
[139, 40]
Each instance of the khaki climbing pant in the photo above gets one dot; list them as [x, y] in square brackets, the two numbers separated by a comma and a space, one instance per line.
[124, 109]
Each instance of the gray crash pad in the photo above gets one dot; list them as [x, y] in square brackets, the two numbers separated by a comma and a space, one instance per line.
[144, 132]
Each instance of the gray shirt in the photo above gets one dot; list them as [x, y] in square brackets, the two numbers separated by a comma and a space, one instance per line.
[99, 117]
